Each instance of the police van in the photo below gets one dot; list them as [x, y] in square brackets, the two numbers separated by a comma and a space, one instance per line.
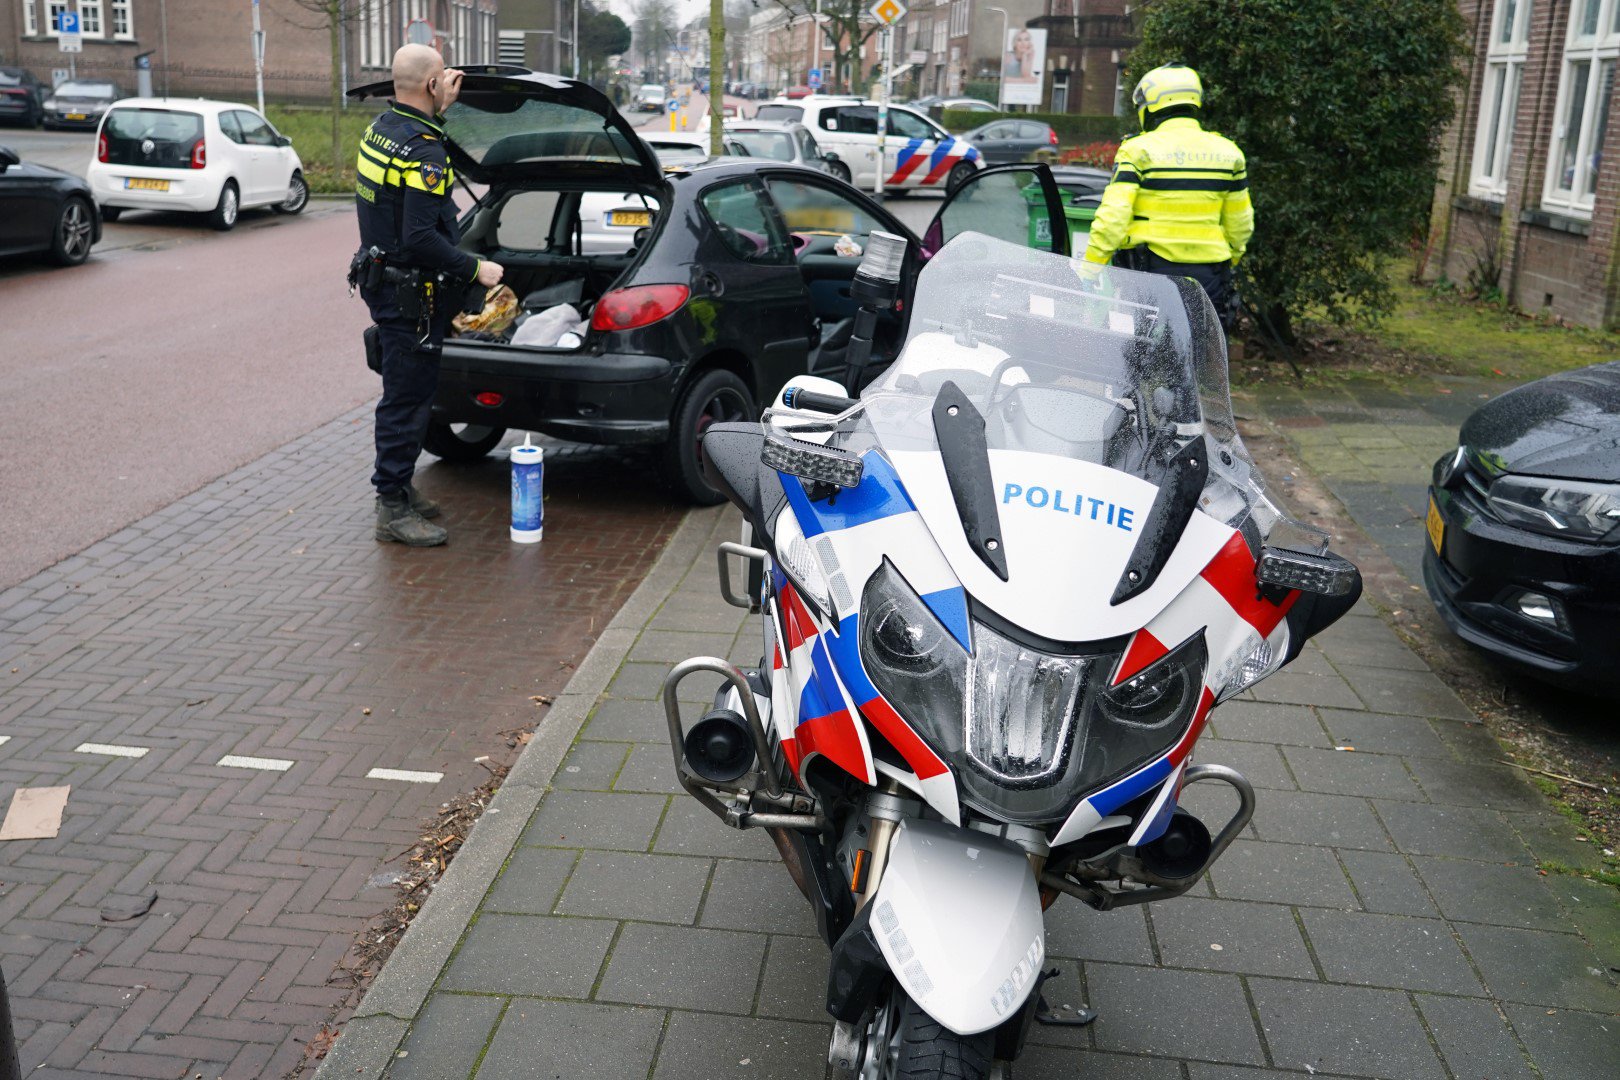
[918, 154]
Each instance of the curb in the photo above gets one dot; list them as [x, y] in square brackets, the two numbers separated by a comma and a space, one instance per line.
[370, 1038]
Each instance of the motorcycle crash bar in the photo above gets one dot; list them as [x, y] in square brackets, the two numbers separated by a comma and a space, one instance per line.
[756, 786]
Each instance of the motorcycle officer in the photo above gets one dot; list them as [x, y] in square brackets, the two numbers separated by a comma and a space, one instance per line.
[1178, 202]
[412, 276]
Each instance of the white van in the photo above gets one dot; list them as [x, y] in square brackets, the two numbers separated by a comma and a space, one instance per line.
[918, 154]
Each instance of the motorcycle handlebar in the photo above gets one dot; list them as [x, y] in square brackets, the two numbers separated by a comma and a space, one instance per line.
[795, 398]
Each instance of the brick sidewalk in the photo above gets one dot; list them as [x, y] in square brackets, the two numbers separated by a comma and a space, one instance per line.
[257, 617]
[1382, 916]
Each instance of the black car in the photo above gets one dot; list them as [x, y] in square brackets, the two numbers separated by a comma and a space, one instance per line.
[738, 279]
[80, 103]
[1524, 529]
[1004, 141]
[45, 209]
[22, 97]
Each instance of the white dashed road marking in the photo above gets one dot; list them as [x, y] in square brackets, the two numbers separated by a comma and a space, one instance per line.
[406, 775]
[111, 750]
[267, 764]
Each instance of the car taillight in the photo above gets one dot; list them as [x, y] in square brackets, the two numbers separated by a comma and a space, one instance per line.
[642, 305]
[1051, 136]
[199, 155]
[101, 148]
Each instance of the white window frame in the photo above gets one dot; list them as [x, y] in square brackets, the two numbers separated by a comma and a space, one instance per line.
[1591, 52]
[53, 8]
[30, 19]
[1499, 97]
[91, 10]
[124, 9]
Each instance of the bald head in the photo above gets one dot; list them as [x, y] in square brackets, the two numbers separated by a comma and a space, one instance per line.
[414, 65]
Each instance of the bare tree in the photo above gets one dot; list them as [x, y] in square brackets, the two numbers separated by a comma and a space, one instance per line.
[333, 15]
[847, 27]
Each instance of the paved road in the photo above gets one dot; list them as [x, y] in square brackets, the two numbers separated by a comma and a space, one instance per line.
[175, 355]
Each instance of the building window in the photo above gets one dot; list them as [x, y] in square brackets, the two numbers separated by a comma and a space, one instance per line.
[90, 18]
[30, 19]
[53, 9]
[123, 23]
[1499, 97]
[511, 47]
[1581, 119]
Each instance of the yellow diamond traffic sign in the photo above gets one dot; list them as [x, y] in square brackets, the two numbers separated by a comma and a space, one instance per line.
[888, 12]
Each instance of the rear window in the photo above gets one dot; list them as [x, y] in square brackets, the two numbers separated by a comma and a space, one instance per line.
[780, 112]
[158, 138]
[10, 78]
[493, 132]
[777, 145]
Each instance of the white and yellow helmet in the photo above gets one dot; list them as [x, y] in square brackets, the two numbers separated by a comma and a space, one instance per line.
[1172, 84]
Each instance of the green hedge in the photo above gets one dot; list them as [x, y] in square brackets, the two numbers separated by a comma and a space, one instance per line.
[1072, 128]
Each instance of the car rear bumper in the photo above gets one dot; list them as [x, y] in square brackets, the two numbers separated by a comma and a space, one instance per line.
[62, 121]
[612, 398]
[1483, 565]
[189, 190]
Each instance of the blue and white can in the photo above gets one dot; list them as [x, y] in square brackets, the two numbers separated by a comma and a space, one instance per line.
[528, 493]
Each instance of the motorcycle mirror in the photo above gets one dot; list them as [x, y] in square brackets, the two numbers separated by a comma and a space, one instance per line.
[810, 461]
[719, 748]
[1325, 575]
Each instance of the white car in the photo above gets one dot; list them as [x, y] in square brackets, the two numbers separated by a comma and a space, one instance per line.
[651, 98]
[210, 157]
[918, 154]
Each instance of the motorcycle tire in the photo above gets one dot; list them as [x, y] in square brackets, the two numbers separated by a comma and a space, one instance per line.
[930, 1051]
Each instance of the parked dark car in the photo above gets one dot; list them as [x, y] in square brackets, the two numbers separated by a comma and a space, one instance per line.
[1003, 141]
[22, 97]
[739, 280]
[1523, 559]
[45, 209]
[80, 103]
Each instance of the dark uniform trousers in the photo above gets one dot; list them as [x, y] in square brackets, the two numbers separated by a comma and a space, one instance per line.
[1214, 278]
[403, 186]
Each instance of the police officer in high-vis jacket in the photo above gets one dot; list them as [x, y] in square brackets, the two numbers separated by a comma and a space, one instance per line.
[412, 275]
[1179, 199]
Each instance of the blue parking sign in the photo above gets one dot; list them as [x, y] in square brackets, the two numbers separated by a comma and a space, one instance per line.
[67, 22]
[814, 80]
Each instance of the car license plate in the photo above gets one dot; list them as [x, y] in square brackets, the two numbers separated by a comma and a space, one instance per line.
[136, 183]
[636, 218]
[1436, 525]
[75, 116]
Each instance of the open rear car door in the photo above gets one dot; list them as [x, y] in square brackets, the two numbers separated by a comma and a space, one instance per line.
[1021, 204]
[512, 124]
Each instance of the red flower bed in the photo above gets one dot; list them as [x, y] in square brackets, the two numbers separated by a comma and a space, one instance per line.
[1098, 155]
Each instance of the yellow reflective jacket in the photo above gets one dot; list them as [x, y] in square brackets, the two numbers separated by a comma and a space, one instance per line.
[1182, 191]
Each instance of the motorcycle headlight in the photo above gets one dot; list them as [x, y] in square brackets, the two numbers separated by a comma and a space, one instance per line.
[1028, 733]
[1571, 509]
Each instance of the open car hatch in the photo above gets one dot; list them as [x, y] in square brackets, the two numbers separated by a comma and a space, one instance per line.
[514, 124]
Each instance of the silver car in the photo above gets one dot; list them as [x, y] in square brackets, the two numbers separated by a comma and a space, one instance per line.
[784, 140]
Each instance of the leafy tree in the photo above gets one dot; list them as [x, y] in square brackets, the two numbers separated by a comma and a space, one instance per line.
[1339, 109]
[601, 34]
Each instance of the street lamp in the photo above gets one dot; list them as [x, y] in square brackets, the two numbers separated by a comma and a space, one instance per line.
[1001, 79]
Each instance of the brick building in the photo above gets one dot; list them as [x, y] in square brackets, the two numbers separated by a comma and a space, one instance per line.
[1527, 199]
[1087, 42]
[204, 47]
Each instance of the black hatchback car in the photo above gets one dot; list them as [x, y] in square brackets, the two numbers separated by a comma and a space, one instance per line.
[1523, 558]
[738, 278]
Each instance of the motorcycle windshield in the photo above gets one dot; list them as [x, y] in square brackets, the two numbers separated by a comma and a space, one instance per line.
[1035, 413]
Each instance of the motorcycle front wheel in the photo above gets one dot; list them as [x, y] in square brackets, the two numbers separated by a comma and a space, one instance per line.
[904, 1043]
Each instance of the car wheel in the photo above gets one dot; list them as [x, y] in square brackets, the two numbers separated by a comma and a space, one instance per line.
[75, 232]
[461, 443]
[223, 216]
[959, 175]
[111, 213]
[297, 195]
[839, 171]
[715, 397]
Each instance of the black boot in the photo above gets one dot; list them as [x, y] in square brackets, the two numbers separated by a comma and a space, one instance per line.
[422, 504]
[398, 521]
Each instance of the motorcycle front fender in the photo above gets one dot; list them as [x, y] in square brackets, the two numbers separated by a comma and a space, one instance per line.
[958, 919]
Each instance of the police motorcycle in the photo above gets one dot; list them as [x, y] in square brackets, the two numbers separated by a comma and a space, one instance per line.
[1001, 592]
